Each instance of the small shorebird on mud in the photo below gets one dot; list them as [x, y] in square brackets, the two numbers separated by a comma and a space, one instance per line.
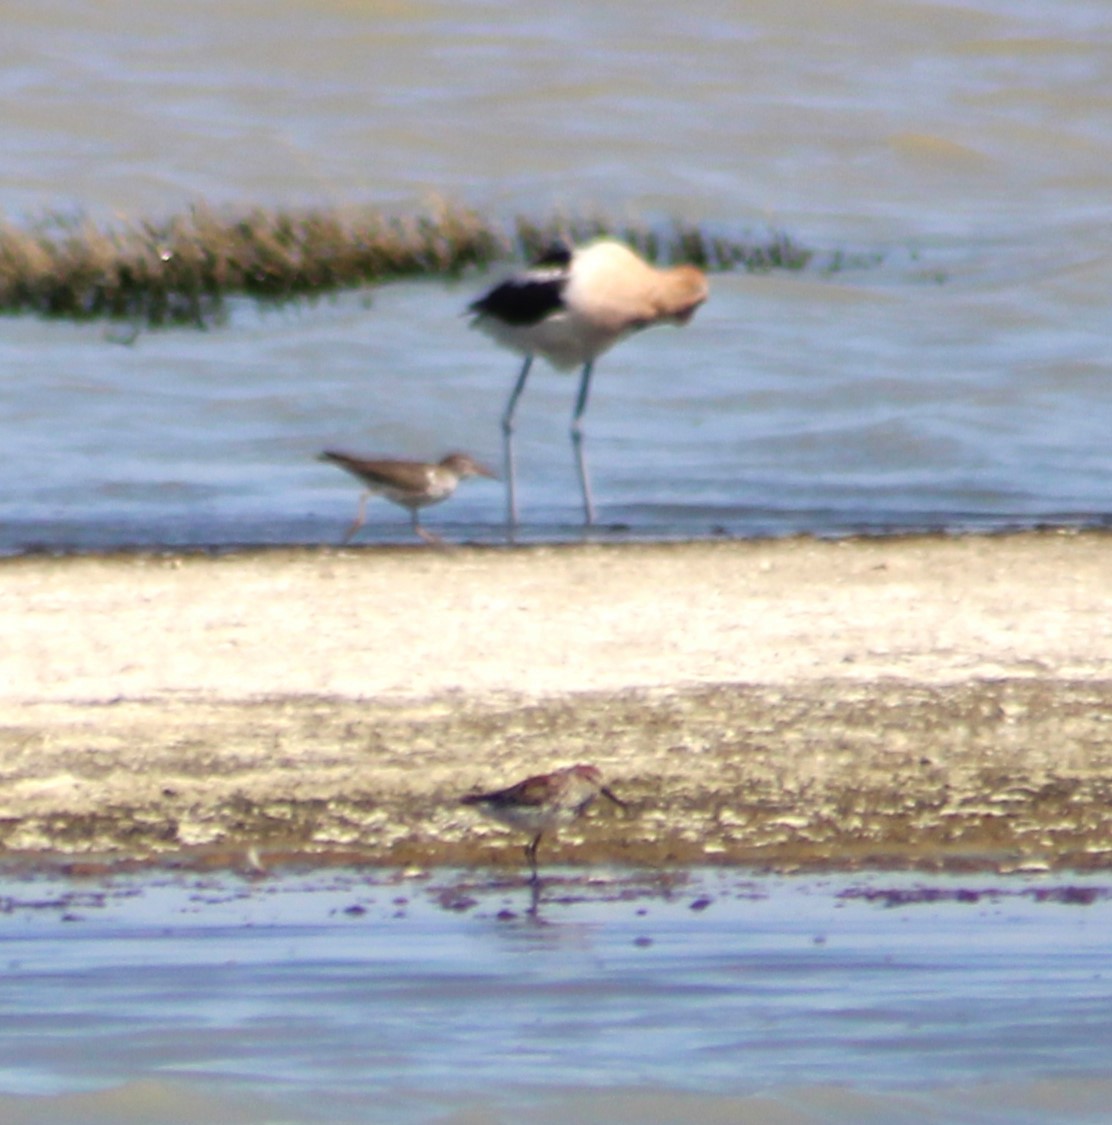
[570, 306]
[542, 803]
[412, 484]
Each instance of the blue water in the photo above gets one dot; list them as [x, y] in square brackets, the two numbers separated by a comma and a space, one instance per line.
[957, 156]
[348, 997]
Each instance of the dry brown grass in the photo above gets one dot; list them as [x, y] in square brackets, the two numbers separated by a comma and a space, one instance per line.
[180, 270]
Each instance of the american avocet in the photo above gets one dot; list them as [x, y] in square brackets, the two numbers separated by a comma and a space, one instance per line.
[542, 803]
[412, 484]
[570, 306]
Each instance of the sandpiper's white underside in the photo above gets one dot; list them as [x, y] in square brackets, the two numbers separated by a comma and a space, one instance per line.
[439, 487]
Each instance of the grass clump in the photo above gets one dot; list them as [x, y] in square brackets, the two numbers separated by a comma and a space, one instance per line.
[180, 270]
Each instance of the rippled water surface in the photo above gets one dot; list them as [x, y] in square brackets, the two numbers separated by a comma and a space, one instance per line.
[352, 997]
[955, 159]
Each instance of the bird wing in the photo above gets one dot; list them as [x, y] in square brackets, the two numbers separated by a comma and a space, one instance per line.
[405, 474]
[524, 300]
[556, 253]
[532, 792]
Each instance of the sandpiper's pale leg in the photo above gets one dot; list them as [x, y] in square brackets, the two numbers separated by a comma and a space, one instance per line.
[429, 537]
[360, 518]
[577, 442]
[508, 443]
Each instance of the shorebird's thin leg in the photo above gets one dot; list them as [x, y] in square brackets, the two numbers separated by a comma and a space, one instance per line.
[531, 856]
[429, 537]
[360, 519]
[577, 441]
[508, 442]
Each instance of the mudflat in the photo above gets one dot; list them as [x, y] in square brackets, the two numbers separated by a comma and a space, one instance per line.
[931, 701]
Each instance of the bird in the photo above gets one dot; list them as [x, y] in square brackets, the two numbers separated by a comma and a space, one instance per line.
[570, 306]
[412, 484]
[543, 802]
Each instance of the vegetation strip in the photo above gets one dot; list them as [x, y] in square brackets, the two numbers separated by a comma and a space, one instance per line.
[179, 271]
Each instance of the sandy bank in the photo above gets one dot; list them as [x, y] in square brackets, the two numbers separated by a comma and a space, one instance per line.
[923, 700]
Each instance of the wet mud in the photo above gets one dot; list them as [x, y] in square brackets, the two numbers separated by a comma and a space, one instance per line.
[934, 702]
[1001, 775]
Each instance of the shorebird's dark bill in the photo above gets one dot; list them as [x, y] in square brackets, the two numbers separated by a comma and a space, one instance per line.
[617, 800]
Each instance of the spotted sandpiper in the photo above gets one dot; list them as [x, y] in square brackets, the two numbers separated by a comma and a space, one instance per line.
[411, 484]
[542, 803]
[570, 306]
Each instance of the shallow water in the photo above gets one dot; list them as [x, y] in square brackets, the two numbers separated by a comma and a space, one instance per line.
[347, 996]
[957, 155]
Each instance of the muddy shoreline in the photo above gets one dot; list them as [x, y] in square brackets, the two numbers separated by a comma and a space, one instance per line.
[935, 703]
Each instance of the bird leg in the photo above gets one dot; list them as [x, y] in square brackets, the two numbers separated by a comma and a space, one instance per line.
[531, 856]
[508, 442]
[577, 442]
[360, 519]
[609, 795]
[429, 537]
